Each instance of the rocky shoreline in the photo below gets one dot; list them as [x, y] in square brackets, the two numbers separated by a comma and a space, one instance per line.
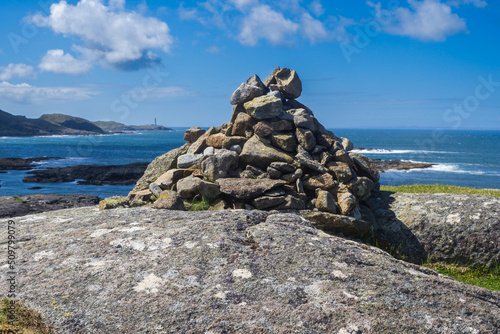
[15, 206]
[89, 174]
[21, 163]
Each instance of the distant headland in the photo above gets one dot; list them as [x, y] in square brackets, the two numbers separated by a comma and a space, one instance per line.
[61, 124]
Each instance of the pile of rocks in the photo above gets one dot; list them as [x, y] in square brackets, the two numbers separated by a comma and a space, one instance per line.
[272, 155]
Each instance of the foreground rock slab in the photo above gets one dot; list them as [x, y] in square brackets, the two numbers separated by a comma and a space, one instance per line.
[142, 270]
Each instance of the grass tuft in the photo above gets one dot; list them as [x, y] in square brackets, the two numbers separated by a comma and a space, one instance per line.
[26, 321]
[198, 205]
[488, 278]
[440, 188]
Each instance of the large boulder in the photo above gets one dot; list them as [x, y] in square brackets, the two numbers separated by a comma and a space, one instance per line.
[452, 228]
[289, 83]
[245, 93]
[143, 270]
[159, 166]
[365, 166]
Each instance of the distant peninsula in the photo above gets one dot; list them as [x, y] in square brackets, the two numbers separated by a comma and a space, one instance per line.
[61, 124]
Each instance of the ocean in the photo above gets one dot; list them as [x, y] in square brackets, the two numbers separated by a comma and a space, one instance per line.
[462, 158]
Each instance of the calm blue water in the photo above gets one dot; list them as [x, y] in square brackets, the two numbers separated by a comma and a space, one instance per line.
[463, 158]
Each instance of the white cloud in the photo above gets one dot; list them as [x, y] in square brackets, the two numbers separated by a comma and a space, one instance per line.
[428, 20]
[112, 36]
[266, 23]
[27, 94]
[214, 50]
[477, 3]
[313, 29]
[58, 62]
[316, 8]
[16, 71]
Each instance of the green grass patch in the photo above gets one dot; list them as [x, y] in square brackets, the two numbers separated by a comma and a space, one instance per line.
[19, 199]
[488, 278]
[198, 204]
[440, 188]
[26, 321]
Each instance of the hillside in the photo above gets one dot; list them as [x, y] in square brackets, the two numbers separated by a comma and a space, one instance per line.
[111, 126]
[72, 122]
[20, 126]
[46, 125]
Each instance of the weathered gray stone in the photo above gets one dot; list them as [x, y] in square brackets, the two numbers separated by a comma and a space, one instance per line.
[283, 167]
[155, 189]
[169, 200]
[245, 93]
[209, 151]
[235, 148]
[305, 138]
[255, 81]
[289, 83]
[255, 152]
[286, 142]
[143, 270]
[106, 204]
[364, 166]
[188, 160]
[347, 144]
[341, 170]
[247, 188]
[291, 203]
[282, 125]
[273, 173]
[304, 121]
[271, 79]
[361, 187]
[159, 166]
[217, 166]
[343, 156]
[306, 162]
[264, 107]
[168, 179]
[338, 224]
[266, 202]
[453, 228]
[292, 177]
[275, 192]
[324, 181]
[262, 129]
[347, 203]
[193, 133]
[140, 196]
[325, 202]
[187, 187]
[209, 190]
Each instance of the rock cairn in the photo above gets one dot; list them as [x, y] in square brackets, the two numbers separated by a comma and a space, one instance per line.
[272, 155]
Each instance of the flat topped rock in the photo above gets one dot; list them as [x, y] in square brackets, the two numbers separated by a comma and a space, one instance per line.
[247, 188]
[159, 271]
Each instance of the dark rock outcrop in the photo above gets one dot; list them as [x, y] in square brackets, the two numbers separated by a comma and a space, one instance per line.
[14, 206]
[142, 270]
[90, 174]
[22, 164]
[385, 165]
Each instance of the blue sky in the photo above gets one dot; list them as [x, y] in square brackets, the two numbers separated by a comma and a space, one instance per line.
[364, 64]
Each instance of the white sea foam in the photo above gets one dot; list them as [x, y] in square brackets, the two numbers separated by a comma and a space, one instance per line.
[384, 151]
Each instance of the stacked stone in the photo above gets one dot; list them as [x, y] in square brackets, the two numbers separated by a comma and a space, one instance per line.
[272, 155]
